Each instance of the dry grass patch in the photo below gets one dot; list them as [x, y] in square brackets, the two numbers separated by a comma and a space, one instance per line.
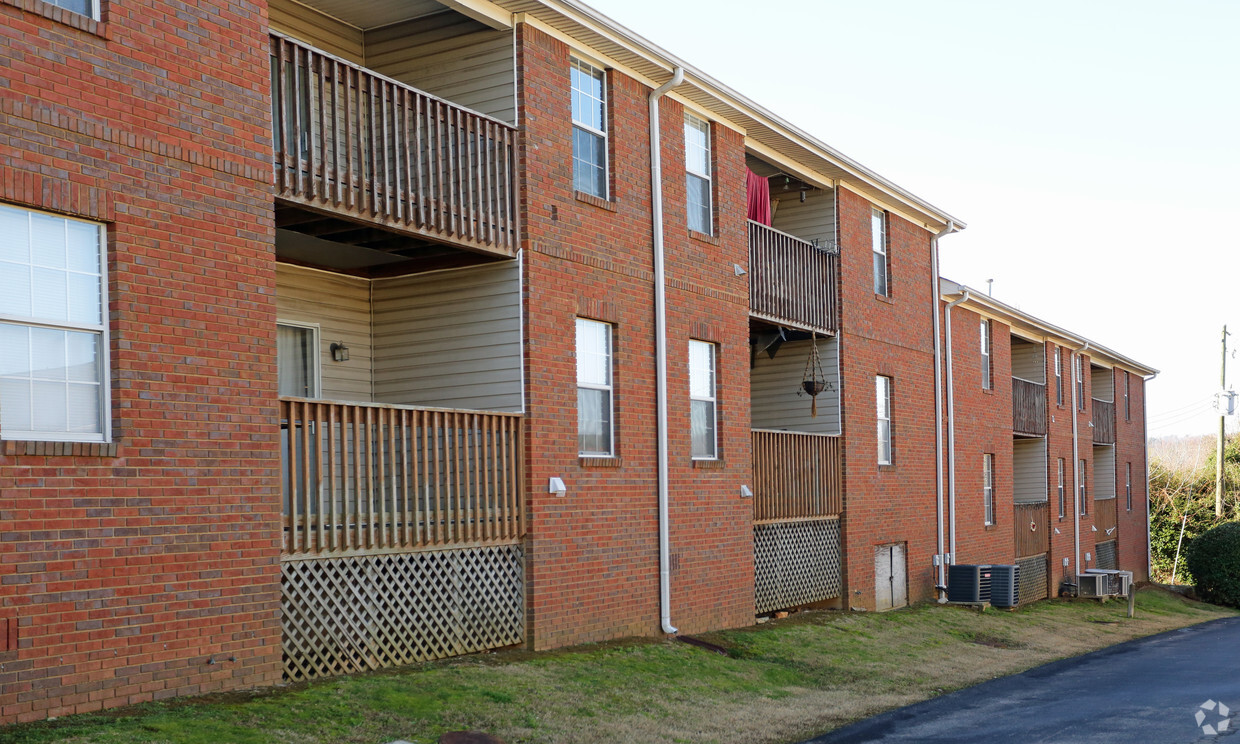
[780, 682]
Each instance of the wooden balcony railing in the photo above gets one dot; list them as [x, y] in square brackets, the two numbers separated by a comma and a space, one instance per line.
[1028, 407]
[356, 144]
[1030, 523]
[1104, 519]
[364, 478]
[796, 476]
[1104, 422]
[791, 282]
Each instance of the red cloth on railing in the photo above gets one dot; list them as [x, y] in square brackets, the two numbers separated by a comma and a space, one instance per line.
[759, 198]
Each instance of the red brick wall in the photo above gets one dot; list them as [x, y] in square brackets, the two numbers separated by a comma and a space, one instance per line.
[983, 423]
[881, 336]
[128, 569]
[1130, 448]
[592, 567]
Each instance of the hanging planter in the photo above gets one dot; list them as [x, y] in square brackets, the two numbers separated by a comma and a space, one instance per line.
[815, 381]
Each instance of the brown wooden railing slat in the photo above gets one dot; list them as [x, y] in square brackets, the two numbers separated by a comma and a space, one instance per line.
[796, 475]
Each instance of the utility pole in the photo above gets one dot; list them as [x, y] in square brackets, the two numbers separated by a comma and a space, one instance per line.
[1222, 433]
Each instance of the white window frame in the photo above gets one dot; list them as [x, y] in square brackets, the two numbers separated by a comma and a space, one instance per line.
[988, 488]
[712, 400]
[1080, 382]
[608, 387]
[1127, 399]
[589, 69]
[1128, 485]
[882, 397]
[703, 126]
[1063, 503]
[1058, 377]
[1082, 491]
[315, 373]
[101, 329]
[878, 244]
[986, 346]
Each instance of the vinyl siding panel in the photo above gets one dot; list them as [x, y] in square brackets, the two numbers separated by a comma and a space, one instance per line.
[450, 339]
[340, 306]
[1029, 483]
[450, 56]
[1103, 483]
[313, 27]
[1028, 362]
[812, 220]
[773, 385]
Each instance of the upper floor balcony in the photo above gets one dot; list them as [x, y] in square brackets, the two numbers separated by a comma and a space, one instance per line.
[791, 281]
[366, 160]
[1028, 408]
[1103, 421]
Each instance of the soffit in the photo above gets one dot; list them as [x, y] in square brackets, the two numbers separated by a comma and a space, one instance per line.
[374, 13]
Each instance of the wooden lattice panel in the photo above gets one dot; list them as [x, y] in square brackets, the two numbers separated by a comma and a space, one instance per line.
[795, 563]
[1032, 578]
[358, 613]
[1106, 555]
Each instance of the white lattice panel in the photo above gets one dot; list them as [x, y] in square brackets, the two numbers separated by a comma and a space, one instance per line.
[795, 563]
[1107, 555]
[1032, 578]
[344, 615]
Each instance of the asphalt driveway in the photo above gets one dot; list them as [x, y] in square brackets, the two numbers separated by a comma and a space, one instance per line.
[1147, 690]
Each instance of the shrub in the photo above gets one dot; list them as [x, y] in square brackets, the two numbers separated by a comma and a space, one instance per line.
[1214, 560]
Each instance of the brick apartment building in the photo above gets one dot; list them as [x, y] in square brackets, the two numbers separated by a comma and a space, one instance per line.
[343, 335]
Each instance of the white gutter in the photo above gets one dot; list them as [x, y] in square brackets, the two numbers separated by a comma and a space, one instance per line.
[951, 426]
[660, 339]
[1076, 463]
[941, 583]
[1145, 457]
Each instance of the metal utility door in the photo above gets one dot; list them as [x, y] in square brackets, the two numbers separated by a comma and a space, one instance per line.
[890, 577]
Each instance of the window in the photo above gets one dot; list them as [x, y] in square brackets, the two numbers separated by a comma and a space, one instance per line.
[1127, 405]
[297, 360]
[1080, 486]
[1080, 382]
[589, 130]
[53, 333]
[987, 379]
[878, 238]
[702, 408]
[1058, 378]
[988, 487]
[698, 170]
[883, 390]
[594, 399]
[87, 8]
[1128, 485]
[1063, 509]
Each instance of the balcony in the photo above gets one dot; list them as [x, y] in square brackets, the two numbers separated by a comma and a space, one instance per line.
[366, 478]
[791, 281]
[364, 160]
[1104, 421]
[1028, 408]
[797, 476]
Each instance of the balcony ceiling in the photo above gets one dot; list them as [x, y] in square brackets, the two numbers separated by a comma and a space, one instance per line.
[374, 13]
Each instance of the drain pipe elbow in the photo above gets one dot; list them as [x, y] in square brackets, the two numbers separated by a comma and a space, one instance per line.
[660, 312]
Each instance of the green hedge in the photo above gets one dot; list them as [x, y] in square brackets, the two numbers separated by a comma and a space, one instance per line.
[1214, 560]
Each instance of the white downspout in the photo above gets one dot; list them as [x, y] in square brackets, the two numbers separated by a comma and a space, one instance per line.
[1145, 456]
[660, 336]
[1076, 466]
[951, 427]
[941, 582]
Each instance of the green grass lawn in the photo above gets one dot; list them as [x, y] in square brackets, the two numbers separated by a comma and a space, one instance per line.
[779, 682]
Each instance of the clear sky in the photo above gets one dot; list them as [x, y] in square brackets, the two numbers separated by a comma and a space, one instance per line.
[1090, 145]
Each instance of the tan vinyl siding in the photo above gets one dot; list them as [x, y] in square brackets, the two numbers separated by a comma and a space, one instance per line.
[450, 339]
[773, 385]
[1103, 484]
[340, 306]
[450, 56]
[1028, 362]
[812, 220]
[312, 27]
[1102, 383]
[1029, 484]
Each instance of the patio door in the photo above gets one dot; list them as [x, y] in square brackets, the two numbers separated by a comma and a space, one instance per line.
[890, 577]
